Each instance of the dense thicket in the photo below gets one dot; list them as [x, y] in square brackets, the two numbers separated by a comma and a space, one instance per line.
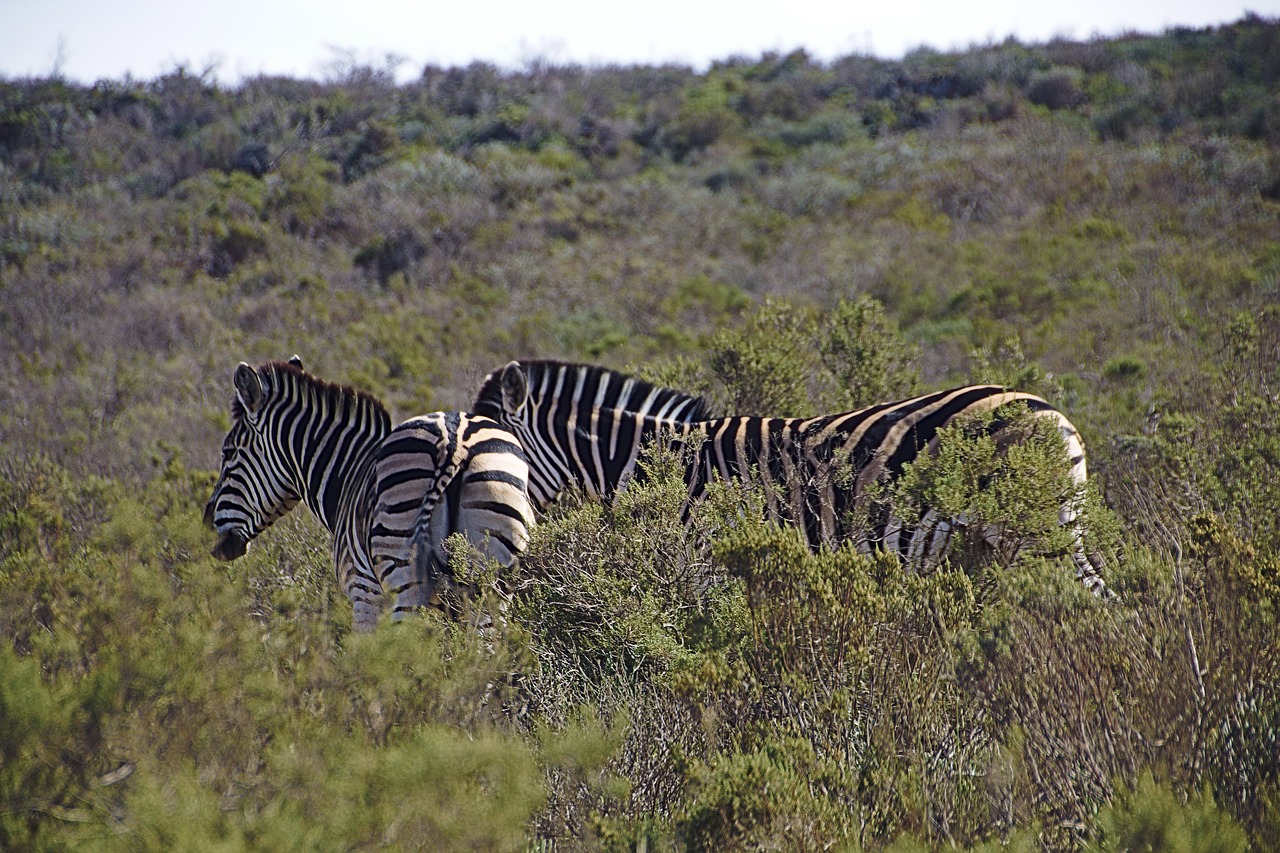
[1098, 222]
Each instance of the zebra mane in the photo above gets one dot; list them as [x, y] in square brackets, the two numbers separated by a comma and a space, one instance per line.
[489, 399]
[330, 394]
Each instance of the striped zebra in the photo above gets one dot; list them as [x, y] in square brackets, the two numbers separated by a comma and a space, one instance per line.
[813, 472]
[585, 422]
[390, 497]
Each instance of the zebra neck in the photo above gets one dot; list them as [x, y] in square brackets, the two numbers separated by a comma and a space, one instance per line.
[332, 488]
[336, 464]
[598, 456]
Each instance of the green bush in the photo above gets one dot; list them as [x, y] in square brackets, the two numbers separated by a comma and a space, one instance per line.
[704, 117]
[1016, 484]
[149, 708]
[1125, 368]
[1151, 817]
[1057, 89]
[865, 354]
[787, 361]
[625, 592]
[386, 255]
[773, 799]
[764, 368]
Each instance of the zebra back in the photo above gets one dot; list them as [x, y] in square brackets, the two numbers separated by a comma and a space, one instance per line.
[580, 425]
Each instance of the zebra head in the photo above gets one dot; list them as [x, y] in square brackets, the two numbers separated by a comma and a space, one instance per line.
[254, 486]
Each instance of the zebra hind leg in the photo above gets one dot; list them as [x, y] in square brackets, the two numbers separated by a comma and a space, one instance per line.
[1088, 566]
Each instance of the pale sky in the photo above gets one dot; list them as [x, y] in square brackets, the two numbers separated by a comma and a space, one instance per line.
[91, 39]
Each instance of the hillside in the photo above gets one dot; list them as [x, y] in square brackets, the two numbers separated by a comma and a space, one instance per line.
[1097, 222]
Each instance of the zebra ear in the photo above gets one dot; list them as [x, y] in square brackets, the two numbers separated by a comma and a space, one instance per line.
[515, 388]
[296, 361]
[248, 386]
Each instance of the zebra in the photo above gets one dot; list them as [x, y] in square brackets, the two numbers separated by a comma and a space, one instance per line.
[389, 497]
[812, 472]
[583, 421]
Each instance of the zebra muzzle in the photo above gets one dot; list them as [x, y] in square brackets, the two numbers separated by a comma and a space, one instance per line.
[231, 545]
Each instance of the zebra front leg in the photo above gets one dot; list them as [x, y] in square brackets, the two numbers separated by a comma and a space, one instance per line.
[365, 596]
[365, 616]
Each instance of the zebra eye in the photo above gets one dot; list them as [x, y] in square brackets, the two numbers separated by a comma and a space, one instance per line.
[227, 452]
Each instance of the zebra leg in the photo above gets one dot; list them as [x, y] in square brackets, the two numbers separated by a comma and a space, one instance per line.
[427, 567]
[365, 617]
[1088, 568]
[416, 470]
[925, 545]
[932, 540]
[362, 590]
[406, 568]
[400, 565]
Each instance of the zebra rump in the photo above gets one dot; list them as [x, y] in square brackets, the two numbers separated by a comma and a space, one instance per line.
[441, 474]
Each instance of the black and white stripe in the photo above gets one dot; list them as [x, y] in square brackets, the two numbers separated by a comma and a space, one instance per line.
[813, 472]
[584, 421]
[390, 497]
[476, 482]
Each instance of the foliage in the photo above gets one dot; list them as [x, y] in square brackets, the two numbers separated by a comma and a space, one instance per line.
[783, 360]
[989, 481]
[146, 707]
[843, 701]
[1151, 817]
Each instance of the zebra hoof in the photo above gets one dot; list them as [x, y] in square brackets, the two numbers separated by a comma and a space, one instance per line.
[231, 546]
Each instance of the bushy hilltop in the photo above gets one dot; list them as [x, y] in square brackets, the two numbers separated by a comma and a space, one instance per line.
[1102, 200]
[1098, 222]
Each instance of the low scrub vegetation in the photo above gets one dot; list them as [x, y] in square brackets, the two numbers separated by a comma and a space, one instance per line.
[1095, 222]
